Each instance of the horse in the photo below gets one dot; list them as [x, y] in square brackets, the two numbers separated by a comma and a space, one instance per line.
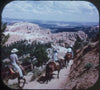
[62, 63]
[51, 67]
[67, 58]
[10, 73]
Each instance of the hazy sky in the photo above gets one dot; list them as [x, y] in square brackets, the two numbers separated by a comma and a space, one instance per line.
[52, 10]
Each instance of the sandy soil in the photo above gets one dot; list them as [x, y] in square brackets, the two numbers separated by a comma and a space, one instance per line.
[54, 83]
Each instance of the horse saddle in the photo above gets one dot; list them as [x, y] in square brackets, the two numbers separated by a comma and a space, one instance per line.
[12, 69]
[69, 55]
[56, 63]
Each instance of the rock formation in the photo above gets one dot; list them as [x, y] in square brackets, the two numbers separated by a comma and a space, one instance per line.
[85, 70]
[29, 31]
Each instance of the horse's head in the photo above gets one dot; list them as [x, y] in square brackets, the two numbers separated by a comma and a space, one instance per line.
[69, 56]
[51, 66]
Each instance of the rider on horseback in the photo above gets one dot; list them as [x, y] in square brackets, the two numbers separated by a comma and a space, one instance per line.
[55, 57]
[15, 63]
[69, 52]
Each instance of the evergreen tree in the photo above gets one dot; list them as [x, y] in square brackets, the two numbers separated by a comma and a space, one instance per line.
[77, 44]
[41, 54]
[4, 37]
[35, 49]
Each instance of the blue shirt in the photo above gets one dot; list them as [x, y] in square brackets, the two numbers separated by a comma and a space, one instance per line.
[13, 58]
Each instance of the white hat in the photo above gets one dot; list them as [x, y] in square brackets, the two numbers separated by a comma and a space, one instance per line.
[14, 50]
[69, 50]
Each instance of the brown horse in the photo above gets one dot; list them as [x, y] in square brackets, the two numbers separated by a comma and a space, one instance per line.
[9, 73]
[67, 57]
[62, 63]
[51, 67]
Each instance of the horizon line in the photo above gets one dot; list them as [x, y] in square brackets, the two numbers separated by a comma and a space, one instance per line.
[53, 20]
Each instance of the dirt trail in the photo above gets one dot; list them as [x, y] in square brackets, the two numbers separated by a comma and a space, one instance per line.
[54, 83]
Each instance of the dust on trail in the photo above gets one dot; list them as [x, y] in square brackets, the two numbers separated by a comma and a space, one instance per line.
[54, 83]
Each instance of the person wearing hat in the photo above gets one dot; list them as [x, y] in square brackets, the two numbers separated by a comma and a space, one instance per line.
[15, 63]
[55, 57]
[69, 51]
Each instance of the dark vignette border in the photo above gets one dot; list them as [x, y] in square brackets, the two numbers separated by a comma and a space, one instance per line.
[95, 2]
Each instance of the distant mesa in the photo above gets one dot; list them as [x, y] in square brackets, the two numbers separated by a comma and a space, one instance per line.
[22, 26]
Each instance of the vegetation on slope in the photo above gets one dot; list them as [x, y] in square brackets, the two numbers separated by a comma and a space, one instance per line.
[35, 49]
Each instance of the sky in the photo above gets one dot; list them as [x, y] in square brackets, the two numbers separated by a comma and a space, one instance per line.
[77, 11]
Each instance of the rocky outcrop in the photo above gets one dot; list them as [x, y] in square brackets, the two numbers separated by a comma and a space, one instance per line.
[68, 37]
[29, 31]
[95, 29]
[85, 69]
[22, 26]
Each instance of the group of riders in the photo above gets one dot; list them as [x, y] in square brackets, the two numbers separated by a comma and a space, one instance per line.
[55, 57]
[15, 63]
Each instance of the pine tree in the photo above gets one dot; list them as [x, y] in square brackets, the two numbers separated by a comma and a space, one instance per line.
[4, 37]
[77, 44]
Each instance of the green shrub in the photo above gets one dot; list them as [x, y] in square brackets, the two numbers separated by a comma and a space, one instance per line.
[4, 37]
[36, 49]
[77, 44]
